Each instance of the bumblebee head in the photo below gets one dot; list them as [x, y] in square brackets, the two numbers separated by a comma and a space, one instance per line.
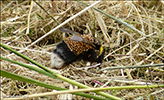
[56, 61]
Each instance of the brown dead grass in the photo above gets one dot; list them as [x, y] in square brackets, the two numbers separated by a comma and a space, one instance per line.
[147, 17]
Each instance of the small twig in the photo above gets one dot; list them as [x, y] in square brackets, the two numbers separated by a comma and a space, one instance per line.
[128, 67]
[86, 68]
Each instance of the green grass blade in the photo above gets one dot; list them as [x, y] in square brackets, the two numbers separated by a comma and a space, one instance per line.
[57, 75]
[28, 80]
[30, 67]
[24, 57]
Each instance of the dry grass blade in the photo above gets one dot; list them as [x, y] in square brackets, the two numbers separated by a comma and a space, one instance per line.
[102, 26]
[28, 23]
[79, 90]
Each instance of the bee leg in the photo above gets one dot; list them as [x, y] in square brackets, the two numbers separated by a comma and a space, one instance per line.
[88, 64]
[100, 58]
[91, 56]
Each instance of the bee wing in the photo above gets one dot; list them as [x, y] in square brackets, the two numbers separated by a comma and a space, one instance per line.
[67, 30]
[75, 37]
[81, 39]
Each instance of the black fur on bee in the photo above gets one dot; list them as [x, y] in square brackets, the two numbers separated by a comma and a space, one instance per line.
[76, 47]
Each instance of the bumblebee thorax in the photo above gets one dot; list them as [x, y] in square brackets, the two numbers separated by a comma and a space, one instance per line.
[78, 47]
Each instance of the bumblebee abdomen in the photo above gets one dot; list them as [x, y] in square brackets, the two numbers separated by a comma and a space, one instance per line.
[62, 56]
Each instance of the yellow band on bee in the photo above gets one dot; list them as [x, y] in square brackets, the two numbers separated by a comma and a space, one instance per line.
[101, 50]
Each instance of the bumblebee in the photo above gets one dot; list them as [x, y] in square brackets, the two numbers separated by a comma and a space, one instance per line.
[76, 47]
